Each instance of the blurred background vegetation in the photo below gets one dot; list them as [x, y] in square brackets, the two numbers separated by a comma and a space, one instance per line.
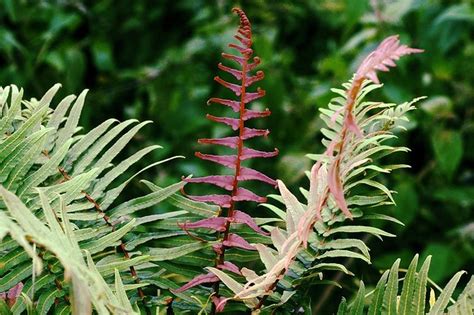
[155, 60]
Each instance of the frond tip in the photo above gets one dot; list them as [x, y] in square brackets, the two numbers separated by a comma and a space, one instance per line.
[236, 142]
[383, 57]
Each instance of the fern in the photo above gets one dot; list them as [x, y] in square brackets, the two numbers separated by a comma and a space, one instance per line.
[385, 298]
[41, 149]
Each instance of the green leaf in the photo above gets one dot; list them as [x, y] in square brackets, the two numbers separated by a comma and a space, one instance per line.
[26, 159]
[160, 254]
[16, 275]
[330, 266]
[47, 169]
[408, 287]
[46, 300]
[118, 170]
[146, 201]
[342, 309]
[419, 297]
[14, 109]
[86, 141]
[375, 307]
[12, 259]
[338, 253]
[384, 217]
[4, 309]
[48, 96]
[107, 269]
[117, 146]
[194, 207]
[443, 299]
[346, 243]
[389, 305]
[358, 229]
[69, 128]
[122, 295]
[86, 159]
[57, 117]
[110, 239]
[357, 307]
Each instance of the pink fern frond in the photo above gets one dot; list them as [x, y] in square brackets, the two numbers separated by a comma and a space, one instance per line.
[242, 217]
[254, 64]
[226, 160]
[231, 142]
[259, 75]
[383, 57]
[250, 114]
[251, 174]
[237, 89]
[219, 302]
[248, 153]
[232, 104]
[252, 133]
[242, 73]
[235, 240]
[224, 181]
[200, 279]
[239, 60]
[13, 294]
[227, 265]
[236, 73]
[232, 122]
[243, 194]
[253, 96]
[337, 190]
[220, 200]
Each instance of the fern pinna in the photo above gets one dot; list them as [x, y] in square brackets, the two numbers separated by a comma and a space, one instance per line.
[240, 173]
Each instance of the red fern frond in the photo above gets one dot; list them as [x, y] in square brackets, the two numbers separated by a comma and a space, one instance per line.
[242, 74]
[242, 58]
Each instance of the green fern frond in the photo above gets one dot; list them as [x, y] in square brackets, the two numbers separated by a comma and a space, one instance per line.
[44, 149]
[387, 298]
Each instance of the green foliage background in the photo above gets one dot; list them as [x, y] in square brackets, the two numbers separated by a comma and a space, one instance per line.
[156, 60]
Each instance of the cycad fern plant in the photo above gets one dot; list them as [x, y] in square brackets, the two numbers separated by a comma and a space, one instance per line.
[69, 244]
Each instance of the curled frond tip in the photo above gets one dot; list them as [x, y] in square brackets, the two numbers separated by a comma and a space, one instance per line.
[245, 26]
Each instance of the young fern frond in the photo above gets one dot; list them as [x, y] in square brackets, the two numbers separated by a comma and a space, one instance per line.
[355, 136]
[232, 183]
